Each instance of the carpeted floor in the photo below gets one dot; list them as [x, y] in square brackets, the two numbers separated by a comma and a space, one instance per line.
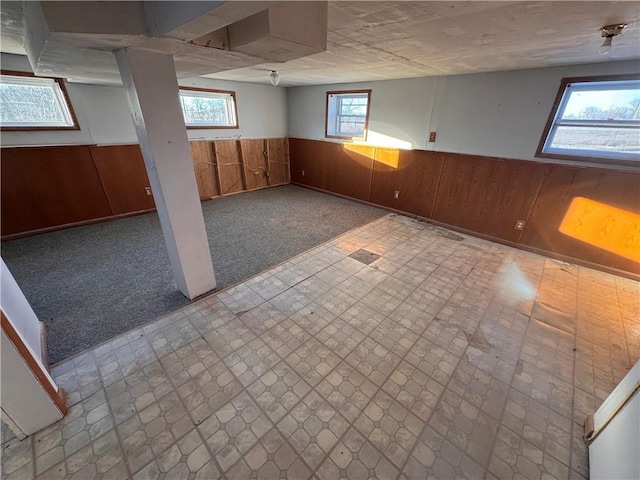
[89, 284]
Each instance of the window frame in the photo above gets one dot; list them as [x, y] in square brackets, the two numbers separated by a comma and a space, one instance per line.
[65, 95]
[231, 93]
[558, 103]
[366, 120]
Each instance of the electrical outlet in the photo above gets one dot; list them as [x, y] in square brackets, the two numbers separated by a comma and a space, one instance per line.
[303, 173]
[396, 194]
[519, 225]
[147, 192]
[432, 137]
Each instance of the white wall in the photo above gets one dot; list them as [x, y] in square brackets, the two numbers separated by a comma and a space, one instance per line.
[18, 310]
[262, 109]
[399, 109]
[499, 114]
[104, 117]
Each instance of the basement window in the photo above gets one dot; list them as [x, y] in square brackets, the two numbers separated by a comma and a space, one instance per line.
[595, 119]
[347, 114]
[205, 108]
[34, 103]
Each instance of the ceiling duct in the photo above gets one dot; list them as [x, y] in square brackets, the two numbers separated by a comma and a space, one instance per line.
[285, 32]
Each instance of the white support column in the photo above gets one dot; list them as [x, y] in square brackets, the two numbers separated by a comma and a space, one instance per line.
[151, 86]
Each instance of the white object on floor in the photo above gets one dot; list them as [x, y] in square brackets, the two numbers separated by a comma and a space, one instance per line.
[615, 452]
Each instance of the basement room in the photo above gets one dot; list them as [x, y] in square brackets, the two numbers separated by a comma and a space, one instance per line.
[320, 240]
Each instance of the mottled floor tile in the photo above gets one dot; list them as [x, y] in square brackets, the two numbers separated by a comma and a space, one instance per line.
[446, 357]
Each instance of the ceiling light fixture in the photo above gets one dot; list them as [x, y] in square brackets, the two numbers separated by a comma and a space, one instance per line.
[608, 32]
[274, 78]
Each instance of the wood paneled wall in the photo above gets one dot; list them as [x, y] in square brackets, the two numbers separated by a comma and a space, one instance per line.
[476, 194]
[487, 195]
[204, 167]
[45, 188]
[124, 178]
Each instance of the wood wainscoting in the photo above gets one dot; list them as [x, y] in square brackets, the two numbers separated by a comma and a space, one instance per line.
[49, 188]
[484, 196]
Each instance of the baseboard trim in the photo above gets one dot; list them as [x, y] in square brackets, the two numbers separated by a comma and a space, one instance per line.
[30, 233]
[508, 243]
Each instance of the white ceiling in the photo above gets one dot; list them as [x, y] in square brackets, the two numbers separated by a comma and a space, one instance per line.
[381, 40]
[374, 40]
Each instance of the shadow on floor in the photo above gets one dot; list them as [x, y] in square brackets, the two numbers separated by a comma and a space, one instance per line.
[91, 283]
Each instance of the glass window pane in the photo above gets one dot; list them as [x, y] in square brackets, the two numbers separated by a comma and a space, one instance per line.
[347, 114]
[207, 109]
[32, 103]
[624, 140]
[603, 104]
[597, 119]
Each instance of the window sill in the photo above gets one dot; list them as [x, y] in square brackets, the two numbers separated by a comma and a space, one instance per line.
[593, 160]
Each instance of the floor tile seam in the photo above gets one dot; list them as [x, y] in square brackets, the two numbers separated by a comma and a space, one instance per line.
[624, 327]
[509, 387]
[574, 425]
[181, 400]
[439, 401]
[378, 389]
[274, 425]
[426, 423]
[117, 432]
[81, 400]
[245, 389]
[114, 427]
[575, 359]
[362, 412]
[188, 414]
[289, 288]
[33, 454]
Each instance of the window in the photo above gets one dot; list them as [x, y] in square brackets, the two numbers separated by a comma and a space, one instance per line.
[208, 108]
[595, 119]
[30, 103]
[347, 114]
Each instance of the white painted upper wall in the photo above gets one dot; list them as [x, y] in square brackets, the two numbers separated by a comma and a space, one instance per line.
[500, 114]
[104, 117]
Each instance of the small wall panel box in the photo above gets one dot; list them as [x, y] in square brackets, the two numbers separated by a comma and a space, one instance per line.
[613, 434]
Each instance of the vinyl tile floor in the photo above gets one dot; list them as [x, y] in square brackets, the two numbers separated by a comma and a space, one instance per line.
[428, 355]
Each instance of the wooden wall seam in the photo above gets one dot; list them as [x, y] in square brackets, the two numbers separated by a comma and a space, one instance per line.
[433, 205]
[528, 217]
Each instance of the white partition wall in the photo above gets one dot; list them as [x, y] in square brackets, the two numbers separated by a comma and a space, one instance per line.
[615, 451]
[29, 397]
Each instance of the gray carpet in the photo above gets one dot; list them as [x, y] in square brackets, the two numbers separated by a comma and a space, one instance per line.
[91, 283]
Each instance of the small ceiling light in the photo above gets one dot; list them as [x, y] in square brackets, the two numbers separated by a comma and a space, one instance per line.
[274, 78]
[608, 33]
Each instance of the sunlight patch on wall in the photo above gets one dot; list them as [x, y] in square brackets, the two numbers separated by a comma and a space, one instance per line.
[603, 226]
[388, 156]
[381, 140]
[383, 148]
